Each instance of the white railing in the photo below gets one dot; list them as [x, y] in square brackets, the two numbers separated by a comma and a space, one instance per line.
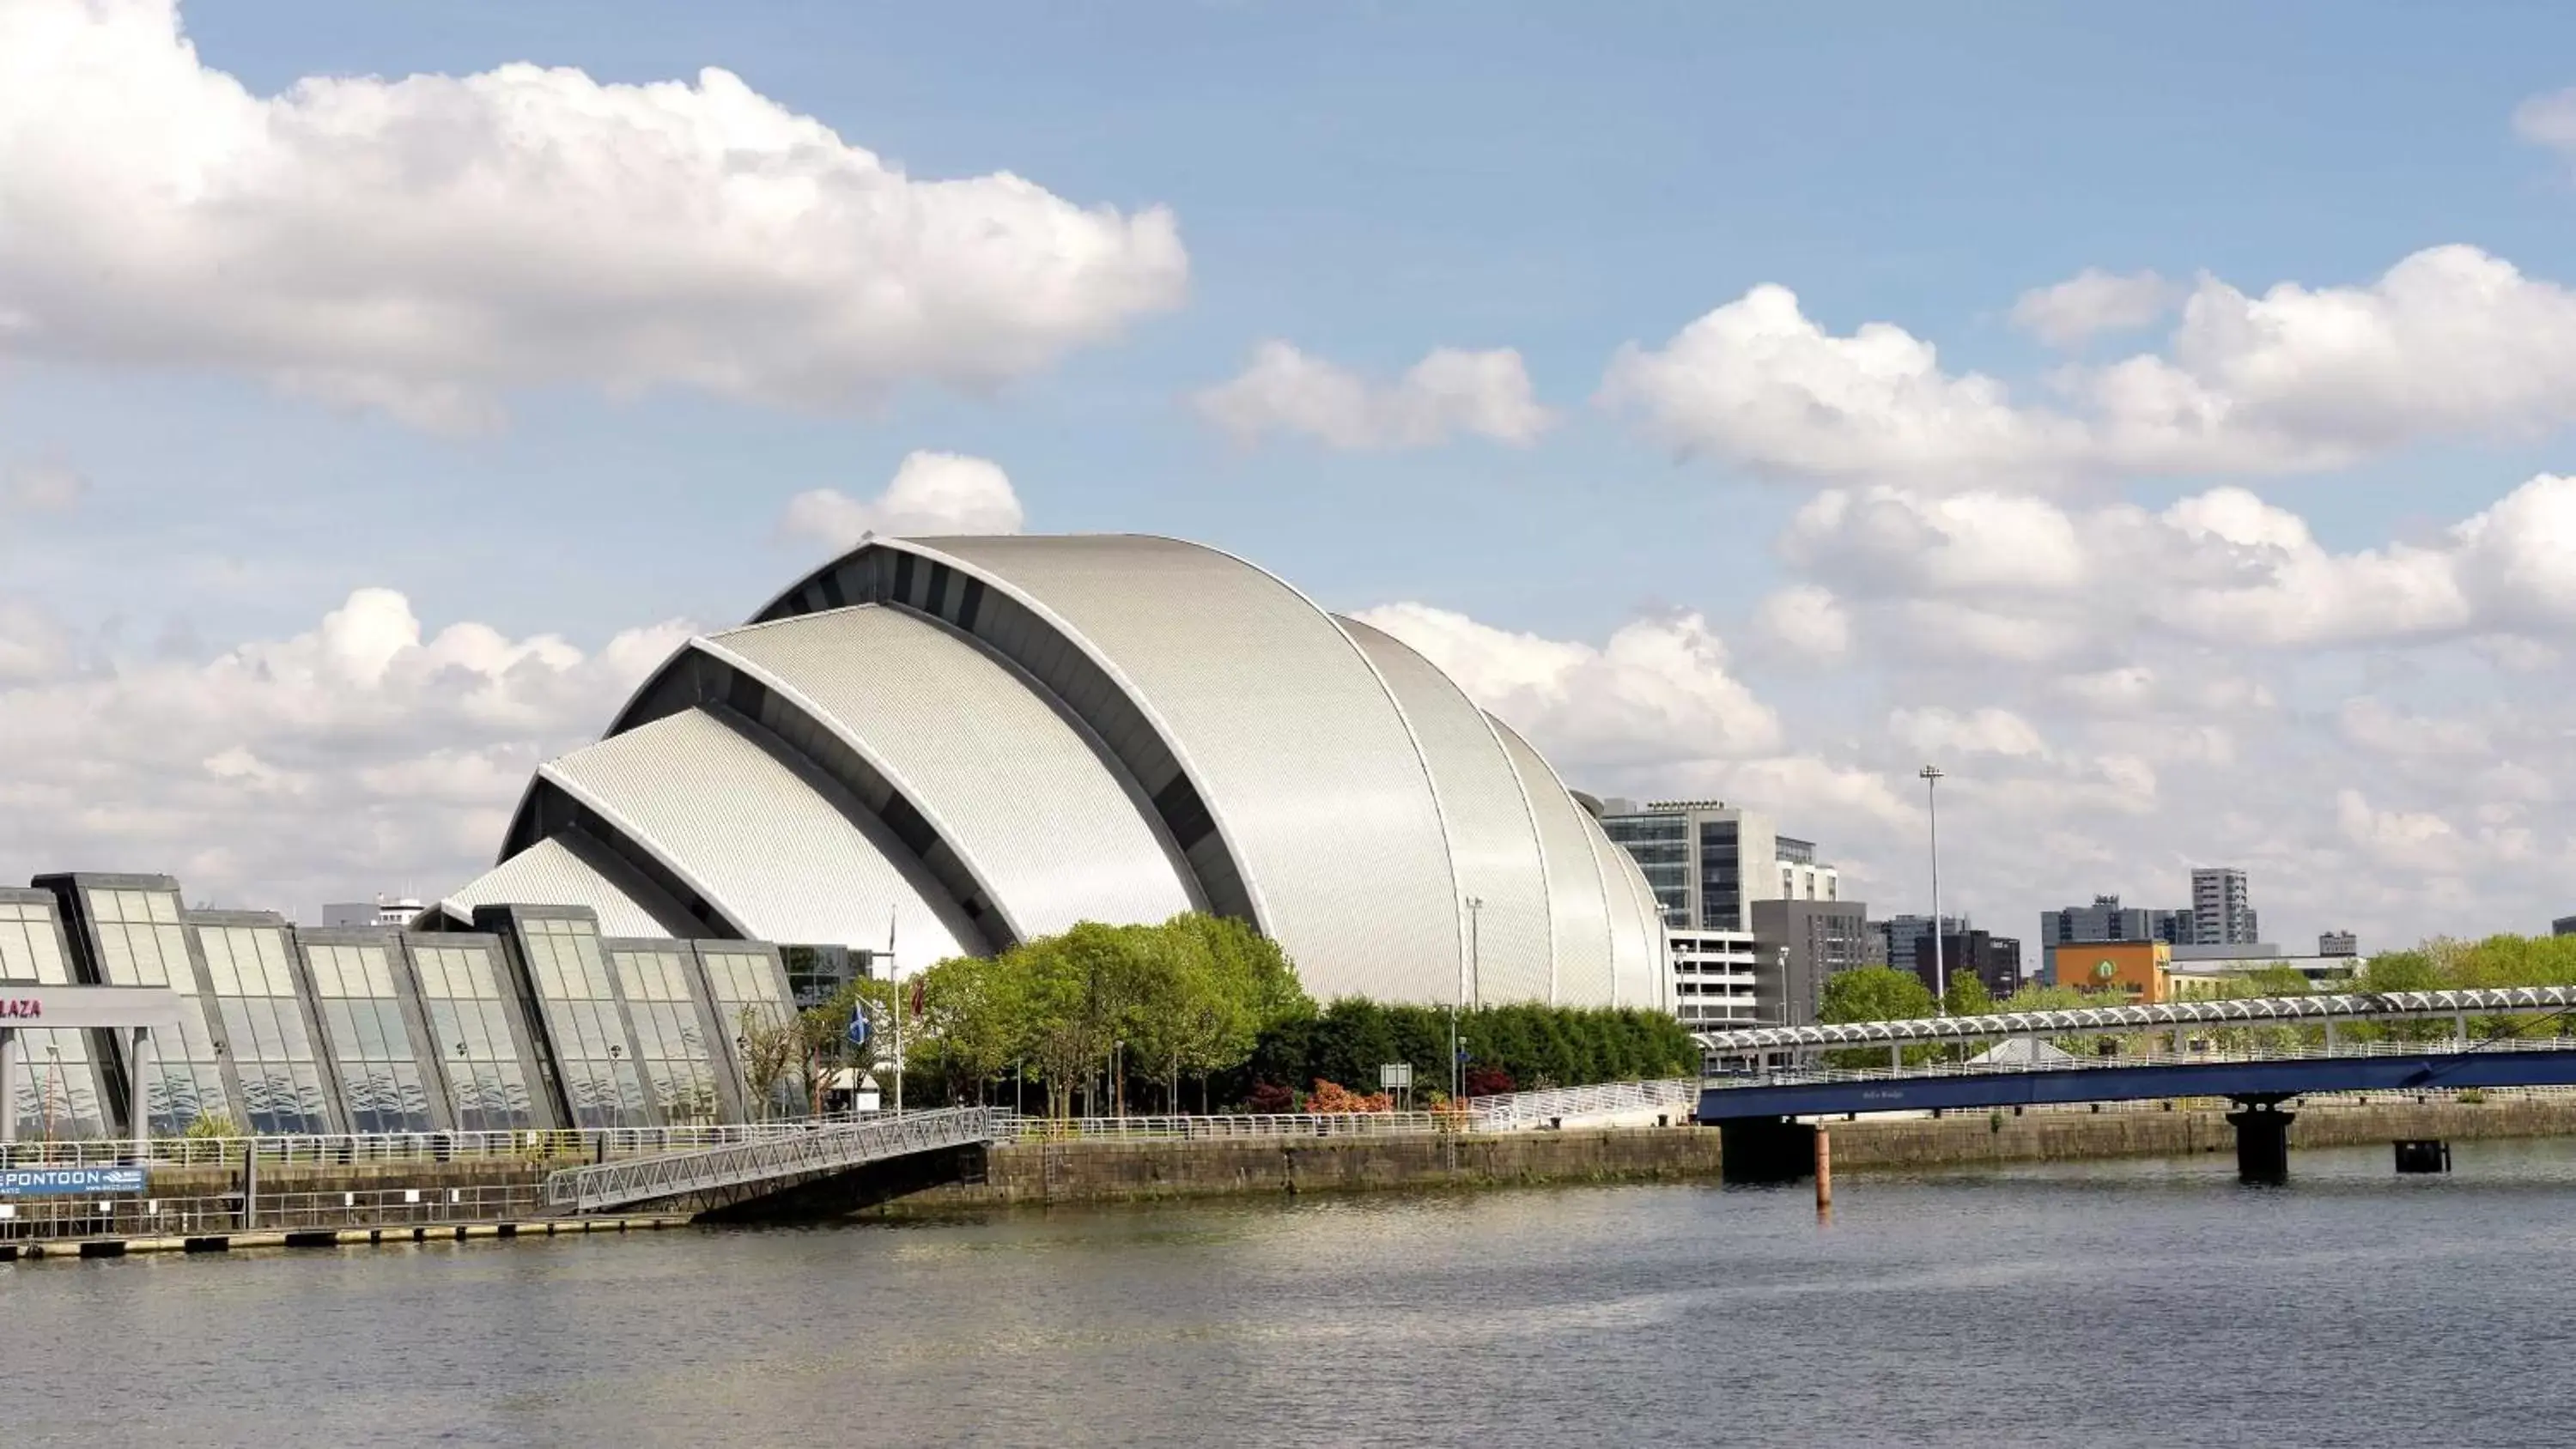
[1244, 1125]
[2095, 1020]
[2448, 1046]
[1516, 1110]
[340, 1149]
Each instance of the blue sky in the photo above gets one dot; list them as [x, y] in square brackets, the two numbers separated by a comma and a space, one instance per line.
[1369, 182]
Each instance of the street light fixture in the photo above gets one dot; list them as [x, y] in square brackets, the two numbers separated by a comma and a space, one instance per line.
[1475, 948]
[1931, 800]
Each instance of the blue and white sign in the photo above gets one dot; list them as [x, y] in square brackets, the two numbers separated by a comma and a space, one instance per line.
[858, 1028]
[46, 1181]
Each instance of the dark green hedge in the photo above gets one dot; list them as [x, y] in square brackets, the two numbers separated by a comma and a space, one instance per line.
[1533, 1046]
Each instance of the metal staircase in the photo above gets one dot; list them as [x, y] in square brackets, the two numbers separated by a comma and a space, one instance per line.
[821, 1152]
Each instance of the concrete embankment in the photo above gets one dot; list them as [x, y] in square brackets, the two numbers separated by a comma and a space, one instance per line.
[1107, 1172]
[1093, 1172]
[1959, 1140]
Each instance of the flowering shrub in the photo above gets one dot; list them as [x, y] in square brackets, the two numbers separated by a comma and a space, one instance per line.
[1334, 1097]
[1271, 1097]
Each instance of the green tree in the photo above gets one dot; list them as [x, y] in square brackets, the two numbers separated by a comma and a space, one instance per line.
[1967, 995]
[1874, 993]
[974, 1019]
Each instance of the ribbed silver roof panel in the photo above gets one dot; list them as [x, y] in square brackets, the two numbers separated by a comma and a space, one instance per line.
[766, 840]
[1291, 739]
[1493, 842]
[571, 869]
[1632, 958]
[1037, 812]
[1578, 906]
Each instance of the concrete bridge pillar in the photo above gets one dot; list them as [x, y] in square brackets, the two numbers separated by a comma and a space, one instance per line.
[2262, 1142]
[1765, 1149]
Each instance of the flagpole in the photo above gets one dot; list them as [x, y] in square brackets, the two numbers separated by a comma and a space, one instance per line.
[894, 990]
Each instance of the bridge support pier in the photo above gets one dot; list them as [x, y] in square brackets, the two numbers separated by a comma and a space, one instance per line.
[1764, 1149]
[2262, 1141]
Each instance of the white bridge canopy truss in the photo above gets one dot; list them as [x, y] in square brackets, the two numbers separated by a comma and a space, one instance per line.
[2115, 1020]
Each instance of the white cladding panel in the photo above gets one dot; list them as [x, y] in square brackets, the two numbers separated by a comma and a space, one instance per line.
[1296, 747]
[570, 869]
[1632, 959]
[1493, 842]
[766, 839]
[1024, 796]
[1578, 906]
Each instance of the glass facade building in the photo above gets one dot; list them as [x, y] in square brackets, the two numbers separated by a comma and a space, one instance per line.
[474, 1034]
[671, 1044]
[250, 972]
[56, 1091]
[595, 1060]
[534, 1022]
[374, 1049]
[131, 932]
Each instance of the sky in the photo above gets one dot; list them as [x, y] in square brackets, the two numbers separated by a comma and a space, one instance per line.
[2156, 417]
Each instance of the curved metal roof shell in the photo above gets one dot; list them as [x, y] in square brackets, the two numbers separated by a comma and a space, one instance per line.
[770, 844]
[1578, 903]
[996, 737]
[1037, 812]
[1302, 800]
[1493, 840]
[569, 868]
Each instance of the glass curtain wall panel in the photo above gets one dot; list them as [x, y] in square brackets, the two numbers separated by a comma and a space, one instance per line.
[749, 990]
[55, 1093]
[462, 994]
[273, 1055]
[670, 1036]
[594, 1056]
[141, 942]
[378, 1063]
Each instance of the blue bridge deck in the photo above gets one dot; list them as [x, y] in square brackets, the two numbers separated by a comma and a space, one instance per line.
[1797, 1093]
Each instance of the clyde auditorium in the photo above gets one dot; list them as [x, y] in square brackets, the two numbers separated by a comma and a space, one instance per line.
[982, 740]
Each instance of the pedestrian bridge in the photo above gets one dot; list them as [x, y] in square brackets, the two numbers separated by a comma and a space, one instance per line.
[1759, 1081]
[738, 1172]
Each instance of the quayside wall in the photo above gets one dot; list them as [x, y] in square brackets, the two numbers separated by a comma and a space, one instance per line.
[1108, 1172]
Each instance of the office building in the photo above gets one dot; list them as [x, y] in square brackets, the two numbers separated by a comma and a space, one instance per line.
[2107, 920]
[2338, 943]
[395, 911]
[1707, 862]
[1992, 959]
[968, 743]
[2221, 913]
[1899, 939]
[1715, 980]
[1797, 945]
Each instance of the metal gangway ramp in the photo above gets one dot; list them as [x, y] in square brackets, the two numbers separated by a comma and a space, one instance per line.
[783, 1161]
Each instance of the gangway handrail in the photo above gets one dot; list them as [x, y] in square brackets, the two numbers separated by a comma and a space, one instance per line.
[853, 1144]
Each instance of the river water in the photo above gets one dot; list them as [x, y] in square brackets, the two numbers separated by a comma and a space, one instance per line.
[2090, 1304]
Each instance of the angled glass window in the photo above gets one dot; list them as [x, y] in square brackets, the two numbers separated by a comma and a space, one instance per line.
[141, 943]
[750, 994]
[469, 1026]
[380, 1082]
[55, 1091]
[668, 1035]
[601, 1083]
[273, 1055]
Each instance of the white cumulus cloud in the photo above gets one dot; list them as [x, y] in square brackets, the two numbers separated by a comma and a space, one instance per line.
[422, 245]
[931, 494]
[2091, 303]
[1448, 393]
[2449, 342]
[365, 753]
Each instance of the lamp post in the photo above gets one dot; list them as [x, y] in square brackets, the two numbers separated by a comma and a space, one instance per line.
[1931, 800]
[1476, 948]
